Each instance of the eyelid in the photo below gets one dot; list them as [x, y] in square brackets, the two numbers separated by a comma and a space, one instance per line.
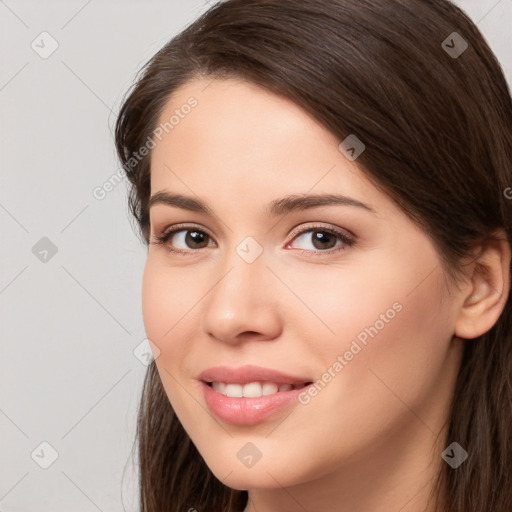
[186, 226]
[302, 228]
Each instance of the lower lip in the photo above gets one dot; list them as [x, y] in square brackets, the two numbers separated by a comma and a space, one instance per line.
[248, 411]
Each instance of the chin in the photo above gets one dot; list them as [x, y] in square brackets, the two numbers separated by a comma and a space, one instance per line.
[245, 480]
[261, 476]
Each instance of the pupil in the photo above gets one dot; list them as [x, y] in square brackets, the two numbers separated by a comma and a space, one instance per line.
[194, 237]
[321, 237]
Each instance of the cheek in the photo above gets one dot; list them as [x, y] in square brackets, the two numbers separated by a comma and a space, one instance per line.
[398, 370]
[388, 300]
[392, 341]
[385, 334]
[166, 309]
[165, 302]
[171, 308]
[153, 307]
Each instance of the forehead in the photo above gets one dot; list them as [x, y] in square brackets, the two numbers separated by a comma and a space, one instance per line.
[240, 136]
[238, 116]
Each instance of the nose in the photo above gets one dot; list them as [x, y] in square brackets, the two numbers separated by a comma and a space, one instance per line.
[243, 303]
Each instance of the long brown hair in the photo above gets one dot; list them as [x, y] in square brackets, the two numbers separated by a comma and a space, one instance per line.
[437, 126]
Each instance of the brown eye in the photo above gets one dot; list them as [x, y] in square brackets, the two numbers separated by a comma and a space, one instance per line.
[195, 239]
[184, 240]
[321, 240]
[188, 239]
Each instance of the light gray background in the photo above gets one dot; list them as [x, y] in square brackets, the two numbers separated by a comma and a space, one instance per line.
[69, 326]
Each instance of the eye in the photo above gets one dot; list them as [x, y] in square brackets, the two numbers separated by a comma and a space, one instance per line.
[182, 240]
[319, 239]
[314, 240]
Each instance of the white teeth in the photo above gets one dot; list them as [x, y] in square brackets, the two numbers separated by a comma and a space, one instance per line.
[234, 390]
[220, 387]
[269, 388]
[251, 389]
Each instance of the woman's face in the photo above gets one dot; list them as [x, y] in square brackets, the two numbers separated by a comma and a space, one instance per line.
[323, 291]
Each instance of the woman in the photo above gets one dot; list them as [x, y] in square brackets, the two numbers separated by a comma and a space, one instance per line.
[322, 189]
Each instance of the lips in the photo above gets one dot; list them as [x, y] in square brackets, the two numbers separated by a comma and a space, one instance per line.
[249, 394]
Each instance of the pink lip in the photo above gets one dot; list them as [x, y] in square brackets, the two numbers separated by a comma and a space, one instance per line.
[248, 411]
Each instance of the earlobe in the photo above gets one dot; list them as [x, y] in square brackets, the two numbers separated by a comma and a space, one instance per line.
[488, 289]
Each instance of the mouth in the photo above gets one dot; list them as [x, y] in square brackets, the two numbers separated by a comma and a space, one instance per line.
[253, 389]
[248, 395]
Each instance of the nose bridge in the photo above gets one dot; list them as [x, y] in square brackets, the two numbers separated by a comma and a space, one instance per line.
[241, 299]
[243, 270]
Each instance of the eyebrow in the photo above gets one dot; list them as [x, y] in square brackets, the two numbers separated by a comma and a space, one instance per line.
[274, 208]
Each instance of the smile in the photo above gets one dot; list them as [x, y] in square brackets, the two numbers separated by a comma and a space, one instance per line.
[253, 389]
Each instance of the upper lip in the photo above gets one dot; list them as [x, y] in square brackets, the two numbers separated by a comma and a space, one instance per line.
[249, 373]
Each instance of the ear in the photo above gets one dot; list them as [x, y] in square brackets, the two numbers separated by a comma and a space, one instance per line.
[487, 289]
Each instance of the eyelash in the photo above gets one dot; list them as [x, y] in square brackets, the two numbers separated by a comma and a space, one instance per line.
[162, 238]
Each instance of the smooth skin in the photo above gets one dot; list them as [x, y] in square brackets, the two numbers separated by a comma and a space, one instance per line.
[372, 438]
